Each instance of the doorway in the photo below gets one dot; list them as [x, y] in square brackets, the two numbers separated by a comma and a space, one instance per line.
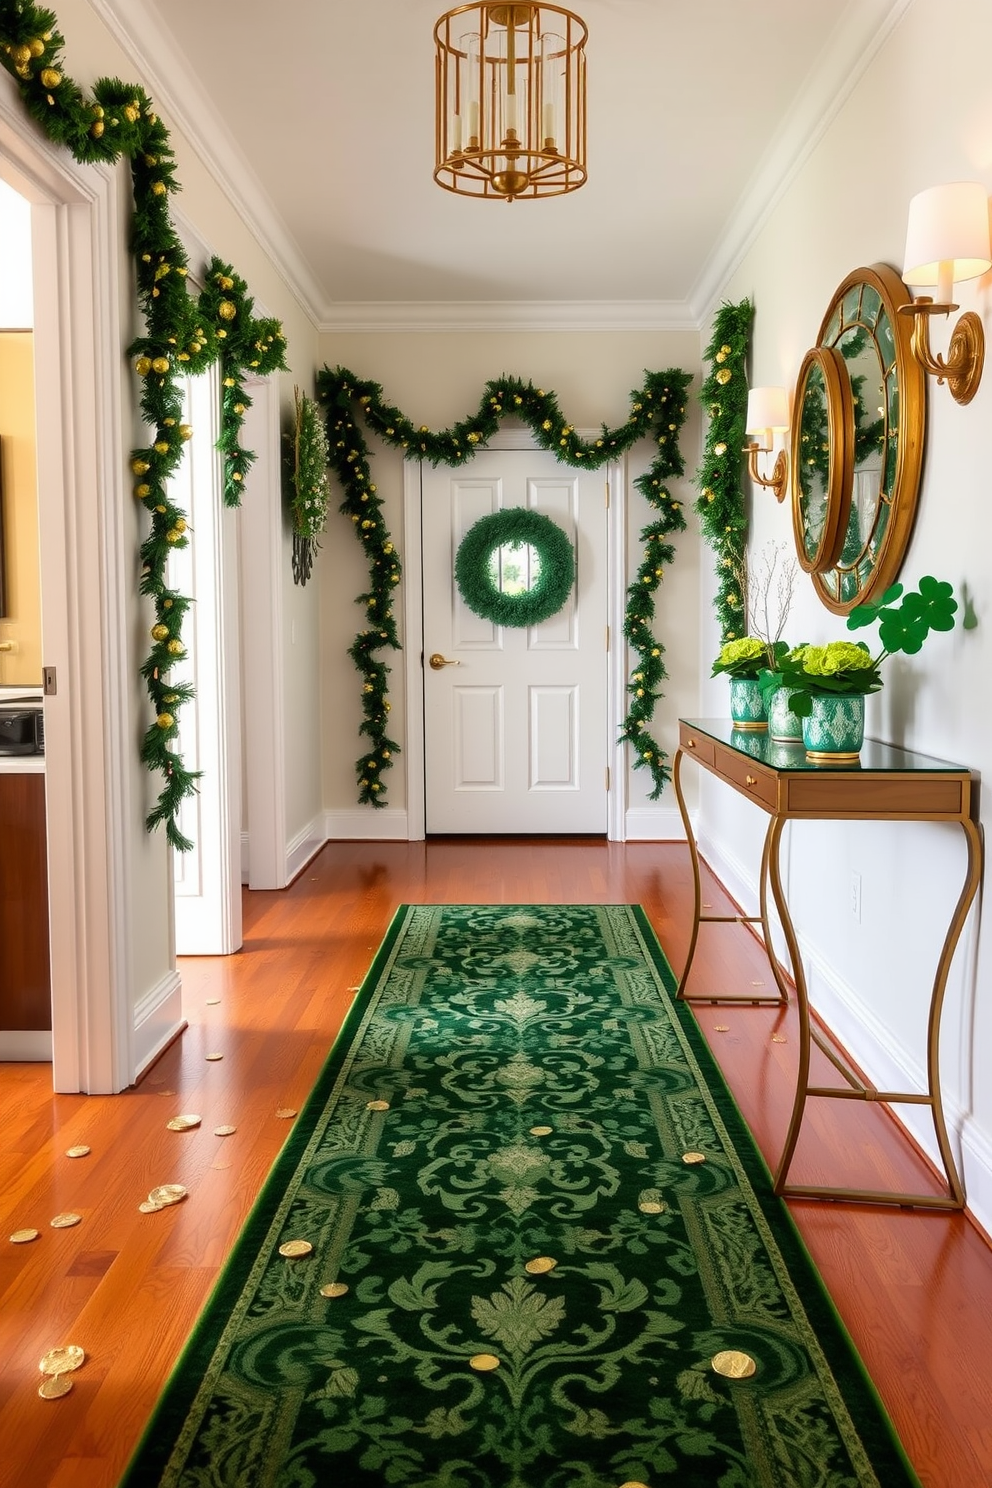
[518, 736]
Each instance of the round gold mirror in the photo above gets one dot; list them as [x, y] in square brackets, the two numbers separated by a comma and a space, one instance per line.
[822, 458]
[887, 389]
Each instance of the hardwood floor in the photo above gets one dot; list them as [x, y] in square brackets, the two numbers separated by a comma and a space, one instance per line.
[914, 1288]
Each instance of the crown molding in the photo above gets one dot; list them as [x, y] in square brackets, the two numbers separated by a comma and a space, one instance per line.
[178, 94]
[865, 26]
[509, 315]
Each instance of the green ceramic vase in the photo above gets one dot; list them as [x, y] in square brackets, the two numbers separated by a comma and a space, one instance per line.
[747, 705]
[782, 722]
[835, 730]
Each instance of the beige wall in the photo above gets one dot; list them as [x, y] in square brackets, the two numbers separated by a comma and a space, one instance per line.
[437, 379]
[21, 620]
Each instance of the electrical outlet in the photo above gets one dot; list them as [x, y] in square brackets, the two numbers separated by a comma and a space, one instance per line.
[856, 896]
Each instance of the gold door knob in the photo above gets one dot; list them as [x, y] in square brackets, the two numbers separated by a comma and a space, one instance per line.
[437, 661]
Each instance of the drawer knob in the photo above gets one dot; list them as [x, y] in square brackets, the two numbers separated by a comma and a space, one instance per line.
[751, 779]
[690, 743]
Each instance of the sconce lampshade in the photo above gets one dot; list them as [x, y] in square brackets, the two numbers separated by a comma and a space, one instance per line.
[767, 408]
[511, 101]
[947, 239]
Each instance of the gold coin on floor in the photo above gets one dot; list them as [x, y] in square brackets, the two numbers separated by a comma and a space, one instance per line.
[148, 1206]
[185, 1122]
[733, 1364]
[224, 1131]
[541, 1131]
[294, 1249]
[54, 1388]
[167, 1193]
[652, 1206]
[632, 1484]
[21, 1237]
[284, 1112]
[62, 1360]
[692, 1158]
[483, 1362]
[80, 1151]
[334, 1289]
[540, 1264]
[779, 1038]
[377, 1105]
[65, 1221]
[721, 1027]
[213, 1056]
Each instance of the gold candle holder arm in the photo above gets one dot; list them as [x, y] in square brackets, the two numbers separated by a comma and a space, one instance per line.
[777, 481]
[962, 367]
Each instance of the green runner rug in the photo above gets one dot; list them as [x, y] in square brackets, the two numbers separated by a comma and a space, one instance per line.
[536, 1219]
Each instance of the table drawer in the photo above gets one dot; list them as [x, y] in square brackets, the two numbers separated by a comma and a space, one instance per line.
[747, 776]
[694, 743]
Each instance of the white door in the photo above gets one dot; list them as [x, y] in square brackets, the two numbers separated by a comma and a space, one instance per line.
[516, 733]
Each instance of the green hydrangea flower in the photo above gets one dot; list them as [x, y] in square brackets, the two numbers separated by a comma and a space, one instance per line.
[836, 656]
[743, 658]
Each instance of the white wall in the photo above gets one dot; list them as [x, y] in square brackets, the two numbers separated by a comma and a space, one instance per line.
[438, 378]
[903, 129]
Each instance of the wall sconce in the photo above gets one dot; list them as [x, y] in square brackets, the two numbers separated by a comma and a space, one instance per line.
[767, 415]
[947, 241]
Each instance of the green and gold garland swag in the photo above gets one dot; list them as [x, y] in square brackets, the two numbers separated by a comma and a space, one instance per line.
[183, 336]
[721, 474]
[657, 410]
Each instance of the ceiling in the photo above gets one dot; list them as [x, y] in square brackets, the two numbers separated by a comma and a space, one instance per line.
[318, 120]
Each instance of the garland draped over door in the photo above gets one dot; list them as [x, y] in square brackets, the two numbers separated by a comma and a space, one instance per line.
[657, 410]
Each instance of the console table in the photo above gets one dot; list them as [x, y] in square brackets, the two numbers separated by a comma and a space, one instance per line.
[885, 784]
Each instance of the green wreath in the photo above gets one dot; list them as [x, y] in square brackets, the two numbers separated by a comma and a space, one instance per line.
[515, 527]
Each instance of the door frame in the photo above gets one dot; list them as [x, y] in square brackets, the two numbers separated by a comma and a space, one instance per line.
[86, 573]
[614, 476]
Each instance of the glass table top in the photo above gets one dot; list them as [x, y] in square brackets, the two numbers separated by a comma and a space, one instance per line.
[779, 755]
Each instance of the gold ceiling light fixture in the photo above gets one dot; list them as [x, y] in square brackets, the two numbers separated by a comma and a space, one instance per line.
[510, 101]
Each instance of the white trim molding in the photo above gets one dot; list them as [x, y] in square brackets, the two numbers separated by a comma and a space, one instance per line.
[509, 315]
[158, 1019]
[87, 567]
[367, 825]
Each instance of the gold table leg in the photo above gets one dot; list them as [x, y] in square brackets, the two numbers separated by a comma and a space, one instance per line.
[954, 1198]
[698, 918]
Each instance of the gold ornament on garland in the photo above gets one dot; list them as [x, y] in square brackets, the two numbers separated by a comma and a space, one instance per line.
[183, 336]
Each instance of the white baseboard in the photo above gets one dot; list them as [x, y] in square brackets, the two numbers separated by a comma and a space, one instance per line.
[653, 824]
[304, 846]
[158, 1018]
[887, 1064]
[26, 1045]
[369, 825]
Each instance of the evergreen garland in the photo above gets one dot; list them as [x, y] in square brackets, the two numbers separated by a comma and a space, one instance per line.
[657, 409]
[311, 488]
[720, 477]
[183, 336]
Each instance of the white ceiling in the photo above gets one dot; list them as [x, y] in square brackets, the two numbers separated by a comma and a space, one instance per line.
[318, 120]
